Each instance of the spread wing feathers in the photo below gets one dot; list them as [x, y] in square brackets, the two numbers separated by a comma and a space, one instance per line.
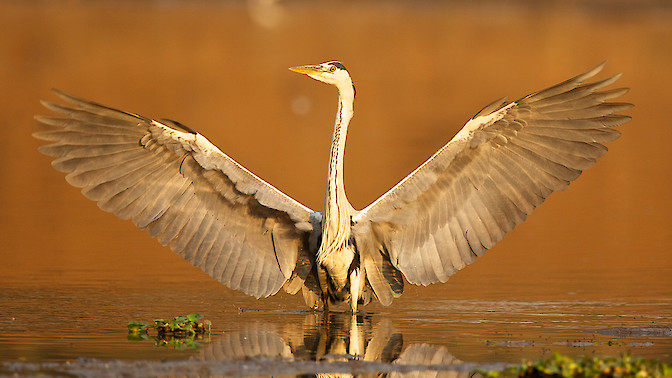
[495, 171]
[184, 191]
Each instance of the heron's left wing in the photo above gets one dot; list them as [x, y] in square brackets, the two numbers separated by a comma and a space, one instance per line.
[184, 191]
[496, 170]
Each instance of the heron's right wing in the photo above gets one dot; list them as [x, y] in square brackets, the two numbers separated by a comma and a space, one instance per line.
[184, 191]
[486, 180]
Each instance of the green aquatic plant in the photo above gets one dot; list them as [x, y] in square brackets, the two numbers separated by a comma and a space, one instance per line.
[562, 366]
[181, 332]
[182, 325]
[135, 326]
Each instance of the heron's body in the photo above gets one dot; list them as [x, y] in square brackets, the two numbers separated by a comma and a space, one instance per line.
[340, 275]
[247, 234]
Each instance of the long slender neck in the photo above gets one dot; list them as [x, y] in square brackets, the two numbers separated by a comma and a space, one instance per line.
[336, 220]
[335, 189]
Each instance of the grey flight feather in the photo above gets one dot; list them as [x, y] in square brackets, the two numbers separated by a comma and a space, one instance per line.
[185, 192]
[486, 180]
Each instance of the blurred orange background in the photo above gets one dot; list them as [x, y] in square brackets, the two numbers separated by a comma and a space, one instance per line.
[421, 69]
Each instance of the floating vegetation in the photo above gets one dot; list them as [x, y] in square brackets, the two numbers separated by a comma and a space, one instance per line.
[562, 366]
[183, 332]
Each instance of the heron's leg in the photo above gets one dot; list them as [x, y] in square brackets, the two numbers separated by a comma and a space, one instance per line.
[324, 284]
[355, 287]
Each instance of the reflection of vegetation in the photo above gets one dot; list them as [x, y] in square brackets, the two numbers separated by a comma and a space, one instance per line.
[562, 366]
[183, 332]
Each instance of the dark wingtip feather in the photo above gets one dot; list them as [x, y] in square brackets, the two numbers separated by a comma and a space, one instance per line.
[90, 106]
[568, 84]
[74, 99]
[491, 107]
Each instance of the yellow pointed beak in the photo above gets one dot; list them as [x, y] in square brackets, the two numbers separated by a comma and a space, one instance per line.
[307, 70]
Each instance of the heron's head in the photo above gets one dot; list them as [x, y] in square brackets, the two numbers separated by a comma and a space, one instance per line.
[332, 72]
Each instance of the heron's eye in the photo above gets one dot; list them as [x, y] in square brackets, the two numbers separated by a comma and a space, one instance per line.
[332, 69]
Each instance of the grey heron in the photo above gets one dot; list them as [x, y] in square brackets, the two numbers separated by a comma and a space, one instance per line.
[174, 183]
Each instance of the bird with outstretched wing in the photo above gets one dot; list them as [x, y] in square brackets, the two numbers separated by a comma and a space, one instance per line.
[242, 231]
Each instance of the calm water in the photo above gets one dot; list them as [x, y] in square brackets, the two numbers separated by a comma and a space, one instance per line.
[596, 256]
[69, 322]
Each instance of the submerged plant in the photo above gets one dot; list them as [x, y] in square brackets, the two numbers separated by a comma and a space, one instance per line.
[562, 366]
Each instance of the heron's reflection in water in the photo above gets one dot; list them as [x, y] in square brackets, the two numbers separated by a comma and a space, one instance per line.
[341, 336]
[337, 338]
